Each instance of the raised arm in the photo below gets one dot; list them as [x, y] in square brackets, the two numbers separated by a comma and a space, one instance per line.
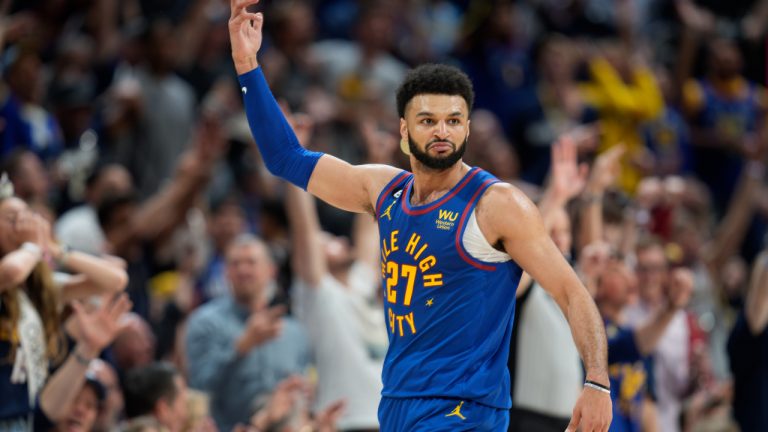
[648, 335]
[352, 188]
[509, 218]
[756, 308]
[308, 261]
[92, 331]
[566, 180]
[161, 214]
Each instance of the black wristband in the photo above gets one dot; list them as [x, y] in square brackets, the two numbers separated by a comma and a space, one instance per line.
[597, 384]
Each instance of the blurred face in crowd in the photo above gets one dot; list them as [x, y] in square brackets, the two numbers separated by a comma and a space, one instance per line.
[82, 414]
[651, 273]
[24, 78]
[374, 29]
[30, 178]
[295, 23]
[161, 47]
[560, 232]
[113, 402]
[250, 269]
[556, 59]
[724, 59]
[114, 179]
[10, 208]
[617, 285]
[135, 344]
[172, 412]
[226, 223]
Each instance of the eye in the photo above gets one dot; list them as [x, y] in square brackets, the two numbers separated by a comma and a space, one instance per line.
[427, 121]
[454, 122]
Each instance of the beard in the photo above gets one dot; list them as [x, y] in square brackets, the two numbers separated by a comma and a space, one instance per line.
[438, 163]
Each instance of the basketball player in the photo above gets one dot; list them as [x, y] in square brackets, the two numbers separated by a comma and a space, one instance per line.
[453, 242]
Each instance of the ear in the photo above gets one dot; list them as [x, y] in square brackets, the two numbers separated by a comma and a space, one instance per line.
[469, 122]
[403, 129]
[162, 411]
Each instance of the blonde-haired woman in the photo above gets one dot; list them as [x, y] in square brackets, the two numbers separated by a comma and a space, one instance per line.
[31, 331]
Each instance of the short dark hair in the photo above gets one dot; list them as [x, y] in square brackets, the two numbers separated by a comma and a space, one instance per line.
[112, 204]
[144, 386]
[434, 79]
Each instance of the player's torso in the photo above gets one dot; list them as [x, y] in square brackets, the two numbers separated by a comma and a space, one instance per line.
[439, 300]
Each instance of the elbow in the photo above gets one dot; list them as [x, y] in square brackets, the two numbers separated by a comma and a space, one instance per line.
[56, 412]
[120, 280]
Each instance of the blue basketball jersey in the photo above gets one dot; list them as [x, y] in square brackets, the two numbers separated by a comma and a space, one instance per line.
[449, 316]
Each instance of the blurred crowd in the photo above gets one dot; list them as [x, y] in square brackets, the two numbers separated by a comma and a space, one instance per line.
[155, 277]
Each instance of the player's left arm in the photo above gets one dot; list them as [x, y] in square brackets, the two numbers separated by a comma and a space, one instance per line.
[510, 220]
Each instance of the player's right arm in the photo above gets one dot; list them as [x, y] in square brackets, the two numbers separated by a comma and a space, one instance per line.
[351, 188]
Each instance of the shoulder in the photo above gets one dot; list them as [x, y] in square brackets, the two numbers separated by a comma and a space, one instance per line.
[294, 332]
[209, 313]
[505, 211]
[502, 200]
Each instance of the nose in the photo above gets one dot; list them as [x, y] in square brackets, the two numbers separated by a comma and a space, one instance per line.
[441, 131]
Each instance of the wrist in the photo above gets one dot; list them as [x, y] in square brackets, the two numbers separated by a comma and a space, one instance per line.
[599, 377]
[244, 64]
[592, 196]
[83, 354]
[60, 253]
[33, 249]
[243, 344]
[594, 385]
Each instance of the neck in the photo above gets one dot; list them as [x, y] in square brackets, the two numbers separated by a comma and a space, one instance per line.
[341, 275]
[429, 185]
[610, 312]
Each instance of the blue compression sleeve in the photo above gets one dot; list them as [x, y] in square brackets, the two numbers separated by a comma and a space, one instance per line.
[282, 153]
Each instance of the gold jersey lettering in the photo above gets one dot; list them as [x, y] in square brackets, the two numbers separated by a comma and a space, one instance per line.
[433, 279]
[427, 263]
[393, 240]
[412, 243]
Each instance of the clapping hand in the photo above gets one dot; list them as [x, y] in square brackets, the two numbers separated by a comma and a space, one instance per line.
[94, 329]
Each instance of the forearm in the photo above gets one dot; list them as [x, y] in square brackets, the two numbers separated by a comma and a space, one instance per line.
[757, 298]
[63, 387]
[589, 334]
[591, 224]
[279, 147]
[734, 226]
[104, 276]
[647, 337]
[16, 266]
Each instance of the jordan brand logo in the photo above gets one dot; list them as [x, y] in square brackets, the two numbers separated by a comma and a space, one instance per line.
[457, 412]
[387, 211]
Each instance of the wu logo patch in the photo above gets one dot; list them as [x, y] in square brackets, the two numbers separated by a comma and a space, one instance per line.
[446, 219]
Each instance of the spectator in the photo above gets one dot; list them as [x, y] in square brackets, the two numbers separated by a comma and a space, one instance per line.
[681, 343]
[156, 393]
[79, 227]
[229, 338]
[85, 408]
[27, 124]
[748, 351]
[111, 408]
[334, 293]
[135, 344]
[30, 323]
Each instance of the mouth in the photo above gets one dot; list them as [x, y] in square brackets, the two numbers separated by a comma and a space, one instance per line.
[440, 146]
[73, 425]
